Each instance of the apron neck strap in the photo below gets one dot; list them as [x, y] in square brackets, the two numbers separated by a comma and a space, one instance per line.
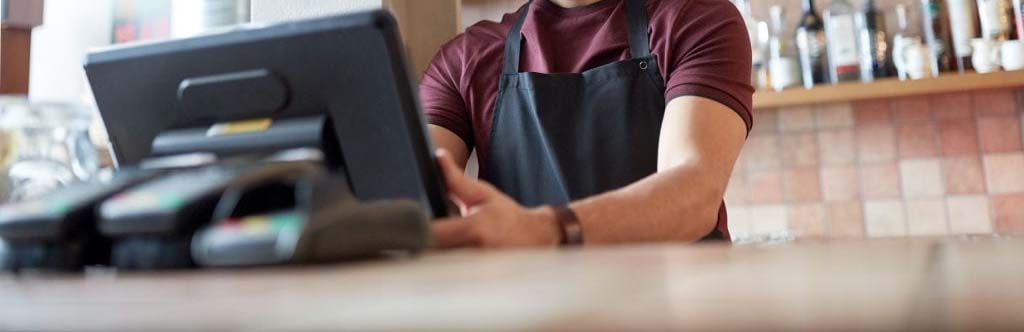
[514, 42]
[636, 22]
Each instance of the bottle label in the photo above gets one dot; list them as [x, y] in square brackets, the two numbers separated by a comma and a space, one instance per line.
[843, 40]
[811, 46]
[810, 41]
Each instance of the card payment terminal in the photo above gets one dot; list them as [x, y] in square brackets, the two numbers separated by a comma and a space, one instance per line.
[152, 224]
[58, 230]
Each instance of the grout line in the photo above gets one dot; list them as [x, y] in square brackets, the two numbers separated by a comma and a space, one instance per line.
[984, 170]
[899, 167]
[937, 137]
[862, 197]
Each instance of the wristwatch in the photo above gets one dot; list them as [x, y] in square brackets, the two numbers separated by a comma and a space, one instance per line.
[572, 231]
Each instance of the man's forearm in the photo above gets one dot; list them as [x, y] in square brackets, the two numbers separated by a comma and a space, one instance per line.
[700, 141]
[678, 204]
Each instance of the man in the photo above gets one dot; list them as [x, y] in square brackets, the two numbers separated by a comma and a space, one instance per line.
[595, 122]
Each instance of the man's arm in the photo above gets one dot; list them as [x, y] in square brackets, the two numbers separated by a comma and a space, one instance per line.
[446, 139]
[700, 141]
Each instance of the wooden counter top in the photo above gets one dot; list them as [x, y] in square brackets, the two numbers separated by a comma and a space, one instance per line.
[970, 284]
[888, 88]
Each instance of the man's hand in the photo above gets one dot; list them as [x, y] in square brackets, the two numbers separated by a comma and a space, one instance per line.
[490, 219]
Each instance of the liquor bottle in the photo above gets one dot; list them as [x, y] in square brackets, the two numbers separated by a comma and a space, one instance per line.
[810, 43]
[758, 34]
[899, 40]
[783, 66]
[874, 48]
[963, 26]
[841, 33]
[997, 21]
[776, 47]
[935, 30]
[1018, 17]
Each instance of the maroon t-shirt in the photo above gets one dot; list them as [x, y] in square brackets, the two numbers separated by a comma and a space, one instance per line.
[702, 47]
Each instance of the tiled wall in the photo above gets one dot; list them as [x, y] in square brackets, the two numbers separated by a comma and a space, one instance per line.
[920, 166]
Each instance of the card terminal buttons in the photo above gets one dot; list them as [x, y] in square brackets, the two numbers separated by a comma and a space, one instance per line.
[164, 205]
[251, 240]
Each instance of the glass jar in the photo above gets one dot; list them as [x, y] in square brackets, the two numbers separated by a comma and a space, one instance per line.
[43, 147]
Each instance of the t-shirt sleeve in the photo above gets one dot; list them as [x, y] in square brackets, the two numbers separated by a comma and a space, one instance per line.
[709, 56]
[440, 93]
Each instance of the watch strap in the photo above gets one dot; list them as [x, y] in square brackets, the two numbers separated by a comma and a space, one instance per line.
[572, 230]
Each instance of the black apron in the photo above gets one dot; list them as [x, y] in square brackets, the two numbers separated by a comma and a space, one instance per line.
[561, 137]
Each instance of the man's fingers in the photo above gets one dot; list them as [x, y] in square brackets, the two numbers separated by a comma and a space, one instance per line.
[454, 233]
[468, 191]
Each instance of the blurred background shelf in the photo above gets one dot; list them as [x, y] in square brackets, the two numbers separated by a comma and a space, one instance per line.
[888, 88]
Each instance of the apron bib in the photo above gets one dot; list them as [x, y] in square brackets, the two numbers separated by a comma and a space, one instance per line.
[561, 137]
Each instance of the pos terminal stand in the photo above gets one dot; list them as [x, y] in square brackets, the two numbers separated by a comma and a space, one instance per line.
[338, 85]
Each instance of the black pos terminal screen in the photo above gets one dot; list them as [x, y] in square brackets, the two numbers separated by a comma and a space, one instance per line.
[347, 72]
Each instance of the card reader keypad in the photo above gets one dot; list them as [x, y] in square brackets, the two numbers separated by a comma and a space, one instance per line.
[168, 193]
[262, 224]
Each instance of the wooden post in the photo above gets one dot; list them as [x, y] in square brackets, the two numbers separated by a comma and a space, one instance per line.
[15, 48]
[17, 18]
[425, 26]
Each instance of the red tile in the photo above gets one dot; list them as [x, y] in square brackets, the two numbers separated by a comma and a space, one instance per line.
[845, 219]
[834, 116]
[800, 149]
[911, 109]
[765, 122]
[840, 183]
[917, 140]
[999, 134]
[872, 112]
[963, 175]
[796, 119]
[880, 181]
[876, 143]
[801, 185]
[765, 187]
[807, 220]
[952, 106]
[837, 147]
[995, 102]
[737, 192]
[762, 152]
[1009, 211]
[958, 137]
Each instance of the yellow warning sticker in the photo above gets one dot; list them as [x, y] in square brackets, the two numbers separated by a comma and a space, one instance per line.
[240, 127]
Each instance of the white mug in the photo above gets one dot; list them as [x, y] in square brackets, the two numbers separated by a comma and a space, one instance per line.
[915, 58]
[784, 72]
[986, 55]
[1012, 55]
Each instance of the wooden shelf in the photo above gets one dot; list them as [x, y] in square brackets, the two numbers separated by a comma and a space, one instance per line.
[888, 88]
